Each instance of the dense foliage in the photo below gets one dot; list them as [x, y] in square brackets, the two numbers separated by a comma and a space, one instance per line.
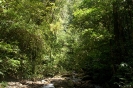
[24, 30]
[46, 37]
[105, 40]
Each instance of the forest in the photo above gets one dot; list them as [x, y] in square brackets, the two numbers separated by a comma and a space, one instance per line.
[89, 39]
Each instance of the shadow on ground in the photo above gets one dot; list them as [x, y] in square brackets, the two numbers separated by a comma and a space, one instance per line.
[57, 81]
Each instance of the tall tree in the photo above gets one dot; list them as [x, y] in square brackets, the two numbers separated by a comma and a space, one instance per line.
[105, 37]
[25, 22]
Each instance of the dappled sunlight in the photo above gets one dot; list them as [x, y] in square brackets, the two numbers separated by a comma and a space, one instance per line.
[66, 43]
[59, 81]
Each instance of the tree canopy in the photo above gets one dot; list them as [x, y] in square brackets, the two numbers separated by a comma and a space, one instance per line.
[47, 37]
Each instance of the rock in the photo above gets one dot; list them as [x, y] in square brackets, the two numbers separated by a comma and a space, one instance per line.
[43, 81]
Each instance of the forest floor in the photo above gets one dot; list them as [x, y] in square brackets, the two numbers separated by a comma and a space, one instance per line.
[65, 81]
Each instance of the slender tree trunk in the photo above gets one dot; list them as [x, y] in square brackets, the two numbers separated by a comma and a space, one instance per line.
[123, 32]
[116, 51]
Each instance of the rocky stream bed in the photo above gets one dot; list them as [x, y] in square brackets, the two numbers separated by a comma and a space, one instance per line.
[64, 81]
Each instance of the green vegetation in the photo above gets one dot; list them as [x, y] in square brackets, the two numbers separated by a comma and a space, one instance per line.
[47, 37]
[105, 40]
[3, 84]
